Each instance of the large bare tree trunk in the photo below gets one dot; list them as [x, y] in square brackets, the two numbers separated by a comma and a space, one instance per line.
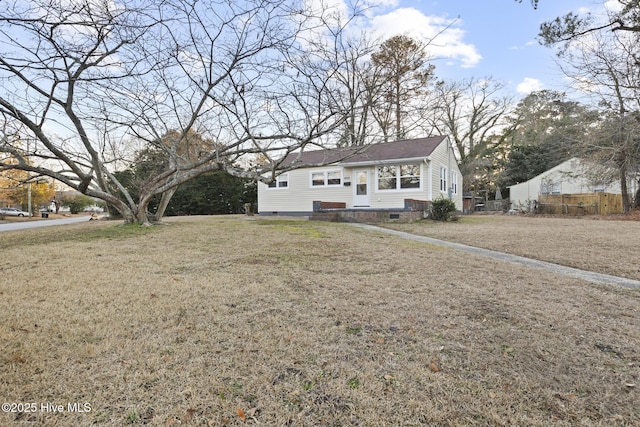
[626, 201]
[164, 202]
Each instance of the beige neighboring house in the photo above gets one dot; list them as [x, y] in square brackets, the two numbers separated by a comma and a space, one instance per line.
[573, 176]
[374, 177]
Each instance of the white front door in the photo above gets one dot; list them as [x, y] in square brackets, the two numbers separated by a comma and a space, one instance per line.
[361, 188]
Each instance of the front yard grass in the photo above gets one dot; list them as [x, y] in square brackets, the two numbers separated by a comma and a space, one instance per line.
[231, 321]
[588, 243]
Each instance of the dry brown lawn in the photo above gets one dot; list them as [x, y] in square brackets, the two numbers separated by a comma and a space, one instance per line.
[588, 243]
[231, 321]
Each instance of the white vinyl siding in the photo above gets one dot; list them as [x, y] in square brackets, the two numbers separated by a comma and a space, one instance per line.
[299, 196]
[413, 178]
[571, 176]
[443, 157]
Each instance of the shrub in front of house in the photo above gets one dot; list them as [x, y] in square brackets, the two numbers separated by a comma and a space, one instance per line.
[442, 209]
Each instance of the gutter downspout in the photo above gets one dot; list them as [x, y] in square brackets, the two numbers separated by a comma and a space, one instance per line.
[429, 183]
[450, 186]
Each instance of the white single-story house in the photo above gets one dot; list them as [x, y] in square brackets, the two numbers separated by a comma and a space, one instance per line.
[572, 176]
[378, 176]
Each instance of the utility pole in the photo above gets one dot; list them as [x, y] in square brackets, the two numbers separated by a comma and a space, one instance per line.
[28, 186]
[29, 197]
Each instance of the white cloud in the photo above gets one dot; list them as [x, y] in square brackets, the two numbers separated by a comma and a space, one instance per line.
[524, 46]
[613, 6]
[444, 35]
[529, 85]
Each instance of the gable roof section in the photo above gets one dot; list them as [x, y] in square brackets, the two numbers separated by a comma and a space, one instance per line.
[368, 154]
[567, 165]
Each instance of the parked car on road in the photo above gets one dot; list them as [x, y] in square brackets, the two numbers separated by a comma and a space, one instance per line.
[13, 212]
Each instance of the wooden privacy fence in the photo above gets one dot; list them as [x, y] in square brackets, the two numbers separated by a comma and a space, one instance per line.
[581, 204]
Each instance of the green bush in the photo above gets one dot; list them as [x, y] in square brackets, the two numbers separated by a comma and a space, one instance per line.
[442, 209]
[77, 204]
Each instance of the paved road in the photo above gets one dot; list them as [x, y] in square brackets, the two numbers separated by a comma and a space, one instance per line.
[589, 276]
[12, 226]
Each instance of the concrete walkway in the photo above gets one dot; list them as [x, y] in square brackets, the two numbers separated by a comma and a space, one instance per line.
[589, 276]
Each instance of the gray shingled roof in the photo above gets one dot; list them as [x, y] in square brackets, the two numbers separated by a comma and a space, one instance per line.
[397, 150]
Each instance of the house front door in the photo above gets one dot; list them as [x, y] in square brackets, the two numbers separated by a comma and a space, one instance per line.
[361, 188]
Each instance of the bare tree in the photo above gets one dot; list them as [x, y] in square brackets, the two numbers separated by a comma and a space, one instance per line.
[90, 82]
[471, 112]
[605, 67]
[348, 53]
[359, 86]
[403, 73]
[574, 25]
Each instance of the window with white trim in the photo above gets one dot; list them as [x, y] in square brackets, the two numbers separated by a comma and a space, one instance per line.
[281, 181]
[387, 177]
[454, 182]
[326, 178]
[398, 177]
[443, 179]
[410, 176]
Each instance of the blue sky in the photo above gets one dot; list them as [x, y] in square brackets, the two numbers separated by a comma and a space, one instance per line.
[492, 38]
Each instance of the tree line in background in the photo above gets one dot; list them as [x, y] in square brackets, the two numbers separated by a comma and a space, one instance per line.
[13, 191]
[141, 107]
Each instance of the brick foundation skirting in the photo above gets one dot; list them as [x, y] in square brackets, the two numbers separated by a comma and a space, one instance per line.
[336, 212]
[367, 216]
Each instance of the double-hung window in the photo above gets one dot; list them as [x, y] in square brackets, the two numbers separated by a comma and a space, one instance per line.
[399, 177]
[550, 187]
[387, 177]
[443, 179]
[326, 178]
[454, 182]
[281, 181]
[410, 176]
